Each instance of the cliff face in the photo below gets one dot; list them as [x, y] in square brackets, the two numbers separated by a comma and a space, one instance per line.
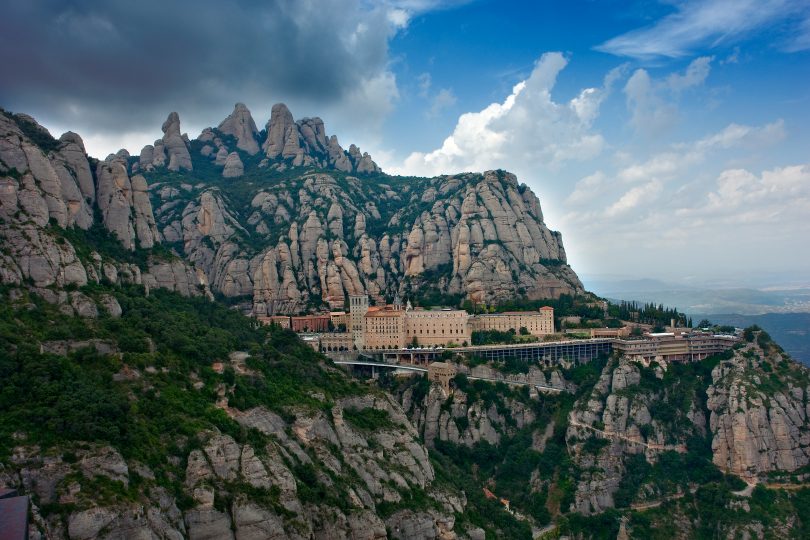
[284, 218]
[633, 411]
[759, 412]
[233, 490]
[137, 432]
[49, 190]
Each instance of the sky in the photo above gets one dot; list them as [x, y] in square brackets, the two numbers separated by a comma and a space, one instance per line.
[666, 140]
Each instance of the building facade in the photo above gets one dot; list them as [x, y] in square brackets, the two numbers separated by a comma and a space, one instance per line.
[339, 318]
[336, 341]
[281, 320]
[310, 323]
[670, 347]
[384, 328]
[437, 327]
[358, 307]
[538, 323]
[442, 373]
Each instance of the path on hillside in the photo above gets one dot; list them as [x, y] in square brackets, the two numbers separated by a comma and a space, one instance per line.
[680, 448]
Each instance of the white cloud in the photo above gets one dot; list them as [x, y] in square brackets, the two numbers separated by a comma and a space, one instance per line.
[442, 100]
[670, 179]
[588, 189]
[527, 130]
[637, 196]
[653, 104]
[780, 195]
[708, 23]
[695, 75]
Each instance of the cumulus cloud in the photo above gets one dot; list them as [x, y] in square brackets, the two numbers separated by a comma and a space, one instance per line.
[653, 104]
[443, 99]
[634, 185]
[639, 195]
[528, 129]
[740, 197]
[712, 23]
[121, 66]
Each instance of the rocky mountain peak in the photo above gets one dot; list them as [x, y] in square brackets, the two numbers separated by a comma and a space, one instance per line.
[240, 125]
[279, 132]
[70, 137]
[173, 146]
[305, 143]
[172, 125]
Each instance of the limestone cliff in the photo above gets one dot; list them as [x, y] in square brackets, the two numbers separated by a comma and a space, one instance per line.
[169, 444]
[628, 413]
[759, 411]
[301, 223]
[321, 237]
[49, 188]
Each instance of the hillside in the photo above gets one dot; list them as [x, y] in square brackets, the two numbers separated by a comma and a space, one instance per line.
[281, 220]
[136, 402]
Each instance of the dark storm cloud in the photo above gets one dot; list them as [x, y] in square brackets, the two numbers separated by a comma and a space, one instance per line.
[122, 65]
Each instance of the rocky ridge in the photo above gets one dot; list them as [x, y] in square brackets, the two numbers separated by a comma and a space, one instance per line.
[759, 412]
[287, 228]
[260, 484]
[48, 186]
[747, 418]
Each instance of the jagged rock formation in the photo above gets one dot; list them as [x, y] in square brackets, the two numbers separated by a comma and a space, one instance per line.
[313, 237]
[51, 182]
[473, 235]
[759, 420]
[378, 467]
[233, 167]
[240, 124]
[614, 421]
[305, 144]
[466, 420]
[175, 144]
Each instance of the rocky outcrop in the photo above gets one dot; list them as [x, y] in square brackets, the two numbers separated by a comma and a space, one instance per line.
[240, 125]
[475, 235]
[175, 145]
[309, 235]
[125, 207]
[233, 167]
[372, 466]
[38, 190]
[304, 143]
[614, 422]
[759, 421]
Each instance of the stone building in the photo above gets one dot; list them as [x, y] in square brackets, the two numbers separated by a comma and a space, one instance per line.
[282, 320]
[336, 341]
[437, 327]
[358, 305]
[339, 318]
[384, 328]
[538, 323]
[442, 373]
[310, 323]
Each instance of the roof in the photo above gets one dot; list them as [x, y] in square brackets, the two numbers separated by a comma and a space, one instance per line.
[385, 313]
[546, 308]
[14, 518]
[314, 316]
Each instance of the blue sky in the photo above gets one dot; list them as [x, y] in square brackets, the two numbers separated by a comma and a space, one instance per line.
[665, 139]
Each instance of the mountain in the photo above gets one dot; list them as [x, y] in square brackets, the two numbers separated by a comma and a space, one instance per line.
[281, 220]
[136, 403]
